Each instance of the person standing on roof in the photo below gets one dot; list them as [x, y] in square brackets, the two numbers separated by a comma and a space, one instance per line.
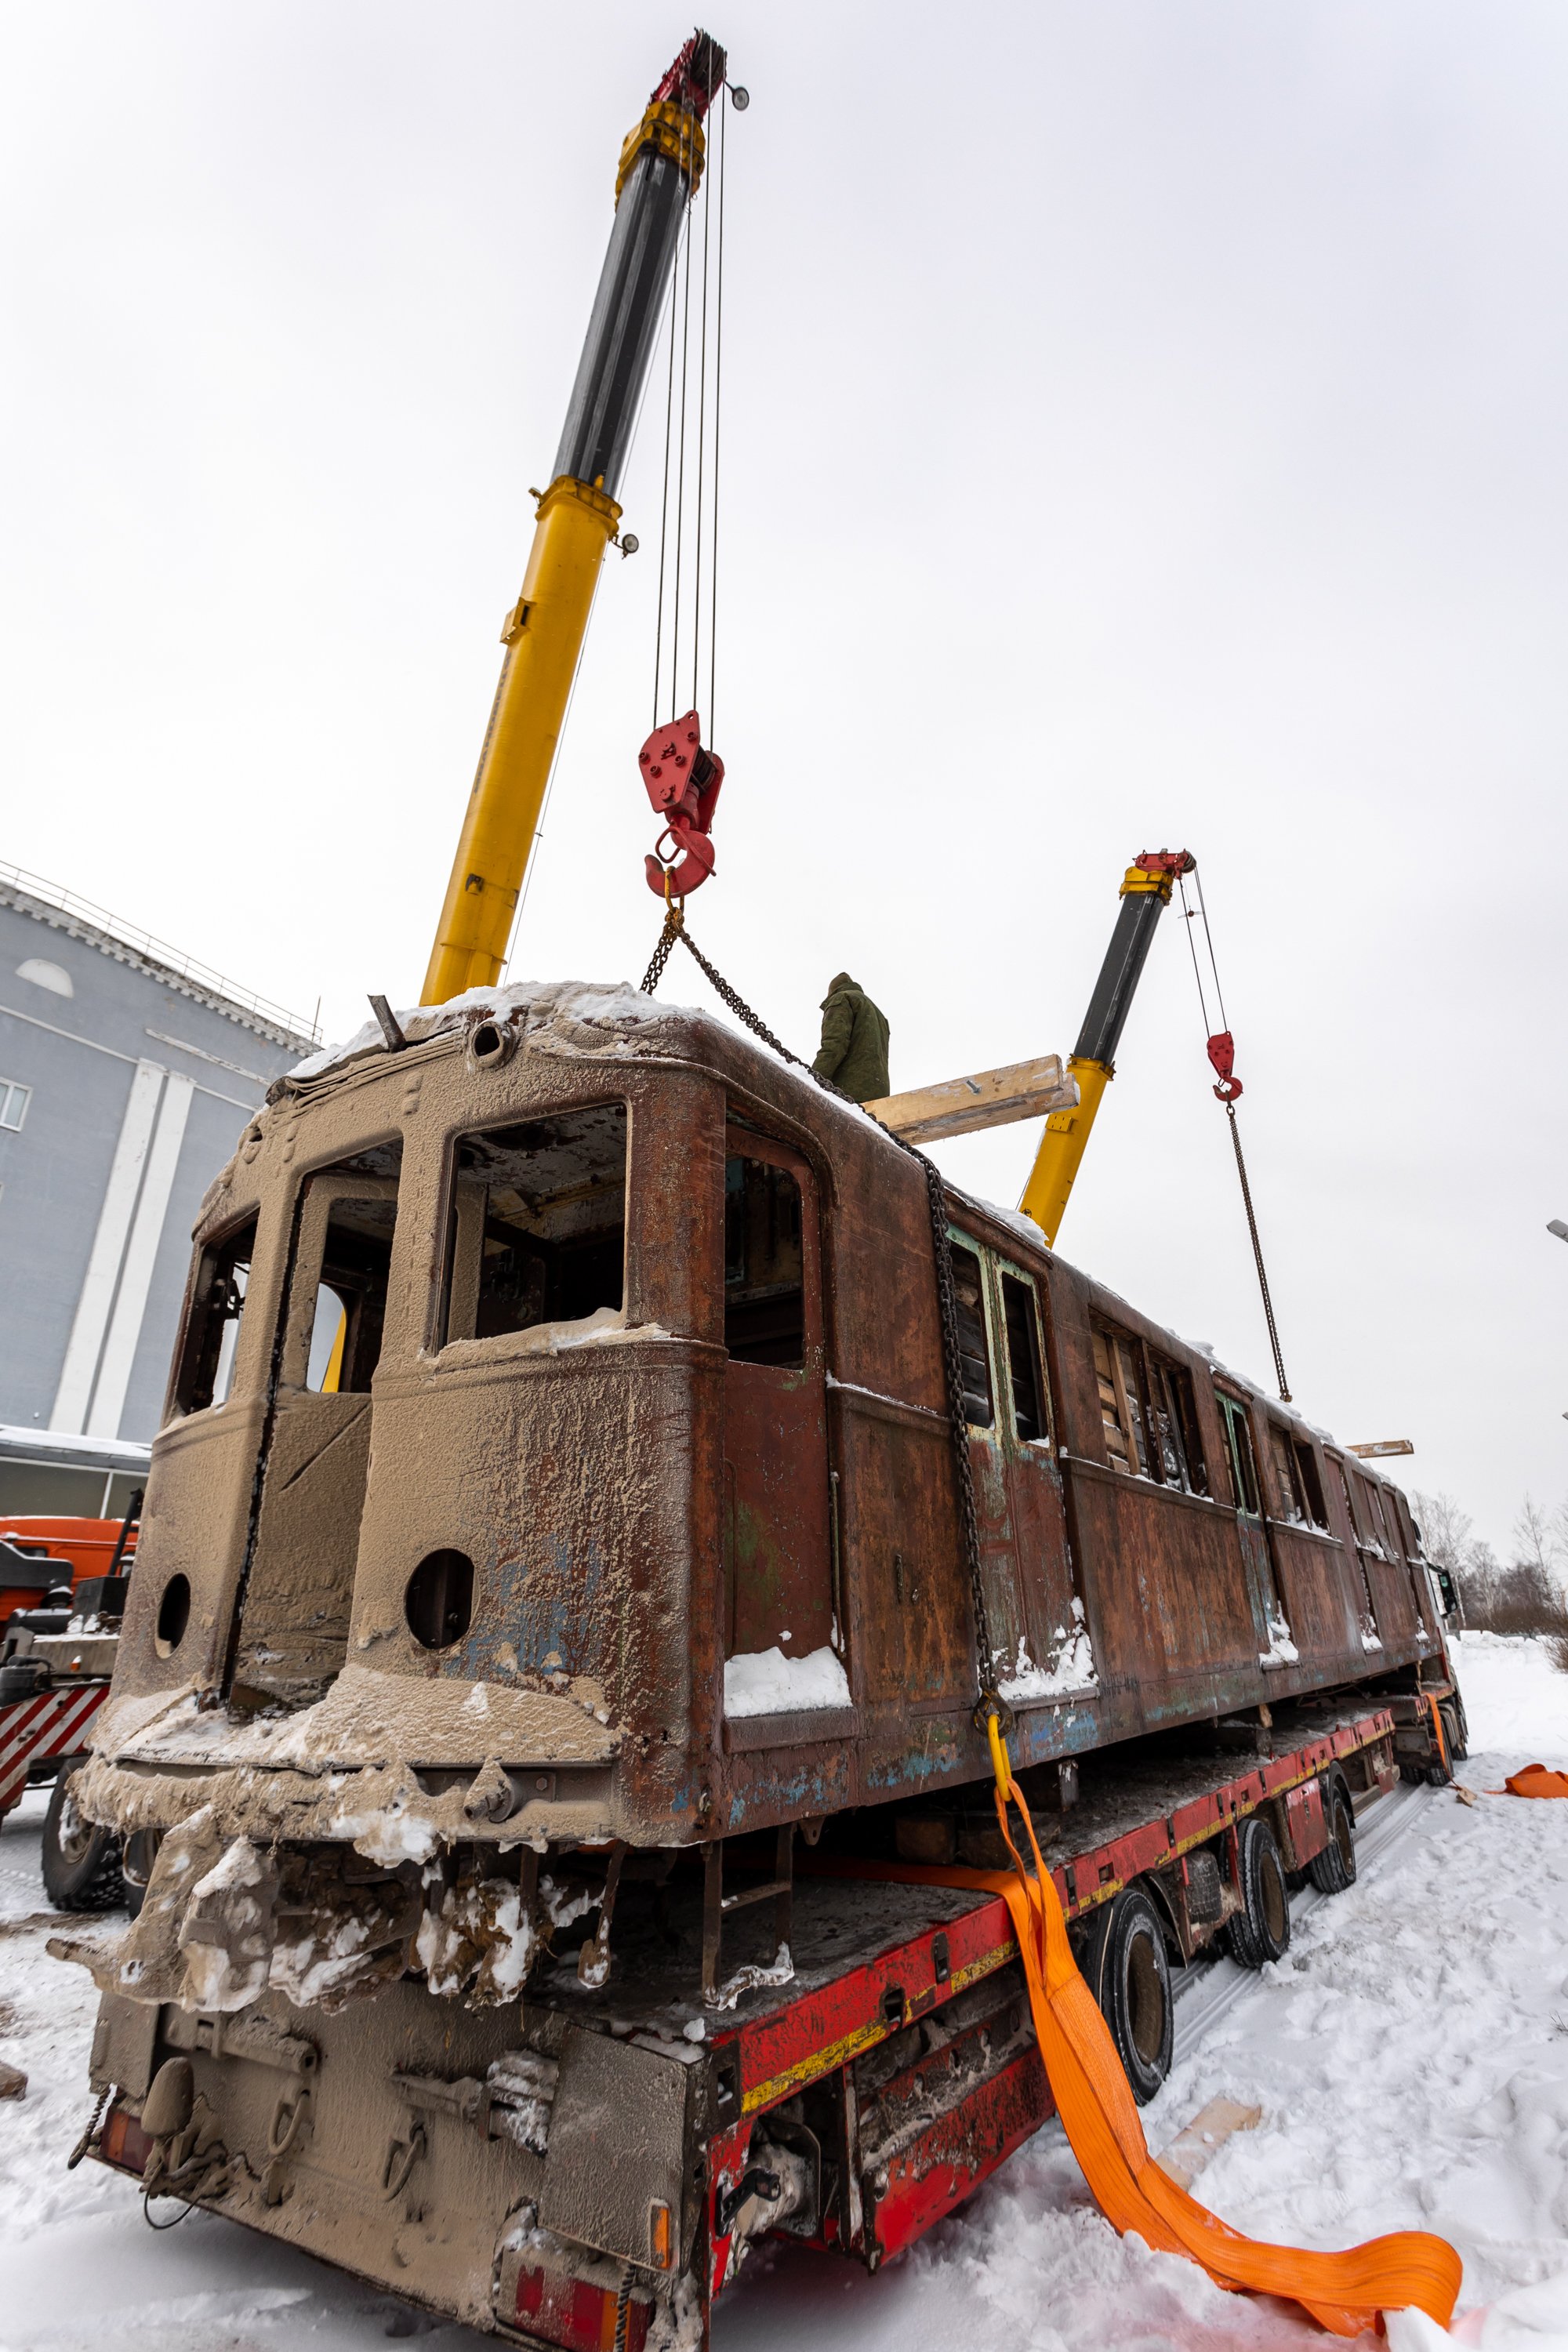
[854, 1051]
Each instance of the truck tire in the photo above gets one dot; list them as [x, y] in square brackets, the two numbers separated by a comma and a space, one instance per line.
[1261, 1930]
[1334, 1869]
[1455, 1729]
[1126, 1971]
[81, 1862]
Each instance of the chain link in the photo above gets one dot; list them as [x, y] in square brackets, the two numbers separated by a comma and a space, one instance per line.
[990, 1703]
[1257, 1256]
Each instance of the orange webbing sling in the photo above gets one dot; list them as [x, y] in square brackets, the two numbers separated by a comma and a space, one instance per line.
[1537, 1780]
[1344, 2292]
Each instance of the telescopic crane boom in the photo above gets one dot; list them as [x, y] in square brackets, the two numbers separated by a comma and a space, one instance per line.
[1145, 893]
[577, 517]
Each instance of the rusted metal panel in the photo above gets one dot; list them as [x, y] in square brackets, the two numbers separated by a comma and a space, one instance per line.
[900, 1557]
[585, 1478]
[778, 1545]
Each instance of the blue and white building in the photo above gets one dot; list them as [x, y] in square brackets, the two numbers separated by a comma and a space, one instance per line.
[127, 1073]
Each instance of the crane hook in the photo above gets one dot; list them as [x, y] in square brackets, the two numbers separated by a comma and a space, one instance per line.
[683, 780]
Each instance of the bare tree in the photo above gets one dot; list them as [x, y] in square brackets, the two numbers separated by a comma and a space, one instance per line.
[1534, 1537]
[1445, 1530]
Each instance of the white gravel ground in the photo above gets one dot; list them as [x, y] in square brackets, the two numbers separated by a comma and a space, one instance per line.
[1410, 2055]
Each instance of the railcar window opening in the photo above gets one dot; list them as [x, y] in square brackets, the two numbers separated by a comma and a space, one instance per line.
[211, 1334]
[1026, 1359]
[1123, 1404]
[1178, 1447]
[1385, 1524]
[1288, 1472]
[537, 1225]
[973, 1348]
[1312, 1485]
[351, 1296]
[1243, 1460]
[765, 1263]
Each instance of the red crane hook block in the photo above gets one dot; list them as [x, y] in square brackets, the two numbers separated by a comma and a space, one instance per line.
[683, 780]
[1221, 1053]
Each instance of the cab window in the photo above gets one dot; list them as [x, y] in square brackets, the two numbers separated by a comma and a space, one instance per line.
[207, 1357]
[536, 1231]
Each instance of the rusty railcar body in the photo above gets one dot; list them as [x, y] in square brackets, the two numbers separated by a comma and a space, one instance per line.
[557, 1489]
[640, 1403]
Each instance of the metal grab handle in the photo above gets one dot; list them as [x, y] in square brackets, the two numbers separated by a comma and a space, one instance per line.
[401, 2159]
[290, 2117]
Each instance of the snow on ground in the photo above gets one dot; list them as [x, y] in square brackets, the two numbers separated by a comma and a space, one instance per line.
[1410, 2055]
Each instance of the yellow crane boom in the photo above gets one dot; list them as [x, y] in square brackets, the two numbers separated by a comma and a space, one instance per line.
[1145, 893]
[577, 517]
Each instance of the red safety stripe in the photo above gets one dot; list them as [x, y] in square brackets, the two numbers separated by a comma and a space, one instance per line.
[52, 1724]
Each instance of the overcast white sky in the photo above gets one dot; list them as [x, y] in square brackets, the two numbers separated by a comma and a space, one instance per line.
[1143, 426]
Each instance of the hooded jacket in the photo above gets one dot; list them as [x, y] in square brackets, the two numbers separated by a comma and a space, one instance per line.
[854, 1051]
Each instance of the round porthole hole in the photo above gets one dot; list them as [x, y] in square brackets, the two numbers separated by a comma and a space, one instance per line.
[173, 1614]
[490, 1043]
[439, 1601]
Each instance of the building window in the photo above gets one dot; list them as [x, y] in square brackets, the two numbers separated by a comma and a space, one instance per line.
[14, 1101]
[52, 976]
[1301, 1488]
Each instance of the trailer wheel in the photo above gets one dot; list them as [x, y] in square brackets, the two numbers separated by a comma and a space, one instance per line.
[1126, 1971]
[1261, 1931]
[81, 1861]
[1455, 1729]
[1334, 1869]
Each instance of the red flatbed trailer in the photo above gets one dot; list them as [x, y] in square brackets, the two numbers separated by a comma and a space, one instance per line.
[849, 2108]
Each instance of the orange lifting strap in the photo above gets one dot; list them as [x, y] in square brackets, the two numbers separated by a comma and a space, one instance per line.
[1537, 1780]
[1344, 2293]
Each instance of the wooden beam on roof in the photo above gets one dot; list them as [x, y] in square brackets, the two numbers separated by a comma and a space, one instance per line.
[989, 1098]
[1380, 1447]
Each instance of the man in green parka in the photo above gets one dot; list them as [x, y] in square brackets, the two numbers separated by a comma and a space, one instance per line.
[854, 1041]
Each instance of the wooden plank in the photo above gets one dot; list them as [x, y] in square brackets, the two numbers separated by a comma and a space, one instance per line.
[988, 1099]
[1208, 2131]
[1381, 1447]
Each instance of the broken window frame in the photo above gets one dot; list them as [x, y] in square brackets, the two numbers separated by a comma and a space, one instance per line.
[201, 1360]
[364, 1294]
[1241, 1455]
[458, 1212]
[964, 1244]
[1154, 1403]
[1287, 1473]
[779, 1161]
[1173, 1411]
[1312, 1485]
[1127, 1418]
[1035, 1341]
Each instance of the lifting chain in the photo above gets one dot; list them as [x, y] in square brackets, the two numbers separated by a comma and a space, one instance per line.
[1257, 1256]
[991, 1706]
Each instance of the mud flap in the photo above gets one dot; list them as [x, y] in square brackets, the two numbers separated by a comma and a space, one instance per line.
[616, 2177]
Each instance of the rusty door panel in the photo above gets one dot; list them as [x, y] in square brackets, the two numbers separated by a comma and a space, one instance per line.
[778, 1537]
[294, 1627]
[901, 1551]
[776, 1460]
[1393, 1602]
[1313, 1588]
[1184, 1568]
[1048, 1586]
